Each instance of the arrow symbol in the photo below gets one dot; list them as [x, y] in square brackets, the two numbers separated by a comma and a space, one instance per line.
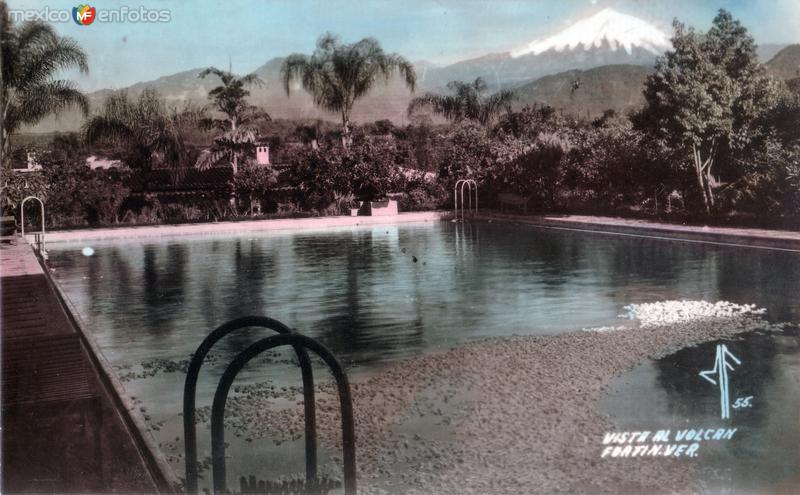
[720, 369]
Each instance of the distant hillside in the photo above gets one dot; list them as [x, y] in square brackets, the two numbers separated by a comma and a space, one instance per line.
[766, 52]
[786, 63]
[501, 70]
[617, 87]
[386, 101]
[610, 77]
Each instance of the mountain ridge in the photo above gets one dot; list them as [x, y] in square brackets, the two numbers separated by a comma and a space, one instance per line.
[609, 87]
[786, 63]
[552, 56]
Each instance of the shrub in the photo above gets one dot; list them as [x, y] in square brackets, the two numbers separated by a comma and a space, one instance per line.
[467, 153]
[531, 167]
[423, 198]
[612, 165]
[78, 195]
[770, 184]
[254, 183]
[367, 170]
[176, 212]
[18, 186]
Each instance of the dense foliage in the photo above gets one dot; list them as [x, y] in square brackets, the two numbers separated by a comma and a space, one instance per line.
[716, 138]
[253, 185]
[330, 176]
[705, 98]
[73, 193]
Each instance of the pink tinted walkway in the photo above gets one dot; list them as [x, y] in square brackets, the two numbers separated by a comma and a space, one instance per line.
[62, 431]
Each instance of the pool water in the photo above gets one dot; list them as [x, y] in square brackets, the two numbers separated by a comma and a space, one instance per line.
[374, 295]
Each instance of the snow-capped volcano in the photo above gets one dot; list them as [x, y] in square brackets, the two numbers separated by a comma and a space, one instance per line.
[609, 26]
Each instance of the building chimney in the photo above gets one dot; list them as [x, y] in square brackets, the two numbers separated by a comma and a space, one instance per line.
[262, 155]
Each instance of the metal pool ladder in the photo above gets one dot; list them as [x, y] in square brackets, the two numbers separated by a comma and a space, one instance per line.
[467, 206]
[285, 336]
[38, 236]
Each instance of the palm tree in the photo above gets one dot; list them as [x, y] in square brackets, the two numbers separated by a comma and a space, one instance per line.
[467, 102]
[337, 74]
[239, 136]
[32, 54]
[148, 133]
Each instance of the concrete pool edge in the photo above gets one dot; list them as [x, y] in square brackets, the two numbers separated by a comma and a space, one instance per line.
[160, 469]
[216, 228]
[754, 238]
[728, 236]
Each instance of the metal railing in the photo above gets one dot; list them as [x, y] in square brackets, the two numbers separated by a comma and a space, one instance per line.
[285, 337]
[38, 236]
[467, 206]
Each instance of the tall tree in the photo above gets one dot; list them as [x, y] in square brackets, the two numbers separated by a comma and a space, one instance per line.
[466, 103]
[705, 96]
[148, 133]
[337, 74]
[32, 54]
[239, 135]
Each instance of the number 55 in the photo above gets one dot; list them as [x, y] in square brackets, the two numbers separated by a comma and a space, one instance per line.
[742, 402]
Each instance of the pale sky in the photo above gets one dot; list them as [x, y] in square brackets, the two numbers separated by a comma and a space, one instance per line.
[201, 33]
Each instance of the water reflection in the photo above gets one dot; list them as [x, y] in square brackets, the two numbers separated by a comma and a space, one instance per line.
[375, 294]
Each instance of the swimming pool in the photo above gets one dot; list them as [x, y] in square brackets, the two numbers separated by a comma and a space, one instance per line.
[376, 295]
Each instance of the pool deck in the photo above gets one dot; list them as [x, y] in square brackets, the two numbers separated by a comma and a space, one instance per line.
[64, 430]
[750, 237]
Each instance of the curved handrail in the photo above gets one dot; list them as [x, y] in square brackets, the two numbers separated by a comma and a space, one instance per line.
[471, 187]
[221, 397]
[190, 391]
[22, 218]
